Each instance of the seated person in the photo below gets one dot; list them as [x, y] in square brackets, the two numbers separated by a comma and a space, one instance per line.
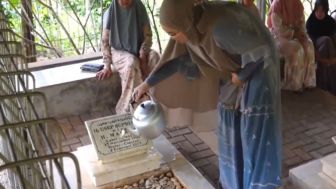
[321, 28]
[126, 43]
[287, 24]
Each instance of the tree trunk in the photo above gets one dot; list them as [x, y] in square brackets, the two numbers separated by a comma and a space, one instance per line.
[29, 48]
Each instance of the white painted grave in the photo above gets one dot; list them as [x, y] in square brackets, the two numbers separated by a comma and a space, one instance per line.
[317, 174]
[116, 153]
[186, 174]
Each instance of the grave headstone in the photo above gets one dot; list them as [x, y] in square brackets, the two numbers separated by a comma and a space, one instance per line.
[115, 153]
[111, 139]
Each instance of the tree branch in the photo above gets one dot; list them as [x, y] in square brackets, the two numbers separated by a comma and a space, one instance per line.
[151, 10]
[80, 23]
[63, 27]
[29, 22]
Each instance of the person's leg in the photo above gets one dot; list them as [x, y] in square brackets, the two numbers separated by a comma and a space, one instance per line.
[326, 50]
[260, 132]
[153, 59]
[262, 158]
[128, 67]
[325, 47]
[309, 61]
[327, 62]
[230, 152]
[294, 68]
[333, 51]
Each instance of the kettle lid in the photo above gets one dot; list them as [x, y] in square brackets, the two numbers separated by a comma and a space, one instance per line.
[144, 110]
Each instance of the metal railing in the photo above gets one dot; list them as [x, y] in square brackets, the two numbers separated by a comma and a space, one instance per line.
[31, 154]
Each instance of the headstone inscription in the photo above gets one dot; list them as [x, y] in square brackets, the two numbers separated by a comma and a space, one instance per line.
[111, 139]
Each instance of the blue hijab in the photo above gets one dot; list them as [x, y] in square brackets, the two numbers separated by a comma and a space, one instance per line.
[126, 26]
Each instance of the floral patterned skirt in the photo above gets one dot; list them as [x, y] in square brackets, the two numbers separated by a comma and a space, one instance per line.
[128, 67]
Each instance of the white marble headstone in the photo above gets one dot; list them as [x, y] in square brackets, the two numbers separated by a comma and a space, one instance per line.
[111, 139]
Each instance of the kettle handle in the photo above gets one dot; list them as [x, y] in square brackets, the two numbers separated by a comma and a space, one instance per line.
[151, 97]
[132, 102]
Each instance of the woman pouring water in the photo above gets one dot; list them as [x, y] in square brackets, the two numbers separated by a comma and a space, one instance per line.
[220, 52]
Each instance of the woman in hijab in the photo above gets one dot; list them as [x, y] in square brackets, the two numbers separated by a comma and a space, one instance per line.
[322, 30]
[209, 44]
[126, 44]
[286, 22]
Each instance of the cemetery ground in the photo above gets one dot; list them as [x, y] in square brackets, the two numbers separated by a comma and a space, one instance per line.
[309, 122]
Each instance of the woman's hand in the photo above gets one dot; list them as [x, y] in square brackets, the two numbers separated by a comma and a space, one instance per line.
[140, 91]
[105, 73]
[235, 80]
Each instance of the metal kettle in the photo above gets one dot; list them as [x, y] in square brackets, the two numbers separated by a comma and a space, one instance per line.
[148, 120]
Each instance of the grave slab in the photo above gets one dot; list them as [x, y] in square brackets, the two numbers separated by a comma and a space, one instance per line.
[103, 173]
[316, 174]
[172, 160]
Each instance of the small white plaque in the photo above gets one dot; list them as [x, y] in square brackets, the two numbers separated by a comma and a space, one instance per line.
[111, 139]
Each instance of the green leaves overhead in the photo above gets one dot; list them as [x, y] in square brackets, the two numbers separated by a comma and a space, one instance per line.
[15, 2]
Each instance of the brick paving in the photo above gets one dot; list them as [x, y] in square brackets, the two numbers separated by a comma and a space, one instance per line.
[309, 120]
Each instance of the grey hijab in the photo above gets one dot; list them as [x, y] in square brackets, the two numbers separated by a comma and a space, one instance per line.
[183, 16]
[201, 94]
[126, 26]
[220, 25]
